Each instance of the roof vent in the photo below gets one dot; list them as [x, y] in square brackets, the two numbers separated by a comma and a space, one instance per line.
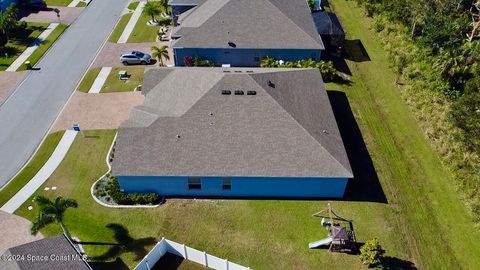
[238, 71]
[226, 71]
[239, 92]
[325, 131]
[211, 114]
[231, 44]
[249, 71]
[251, 93]
[178, 136]
[226, 92]
[271, 84]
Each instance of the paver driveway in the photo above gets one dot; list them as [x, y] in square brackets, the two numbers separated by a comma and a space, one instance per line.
[98, 111]
[67, 15]
[15, 231]
[8, 81]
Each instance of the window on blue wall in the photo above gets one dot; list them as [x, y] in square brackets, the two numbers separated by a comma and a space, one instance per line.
[227, 184]
[194, 183]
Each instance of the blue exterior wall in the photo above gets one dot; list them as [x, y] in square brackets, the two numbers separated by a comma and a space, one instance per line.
[261, 187]
[243, 57]
[5, 3]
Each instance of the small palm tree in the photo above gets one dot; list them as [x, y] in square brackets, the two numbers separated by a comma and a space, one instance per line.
[51, 212]
[160, 53]
[8, 21]
[152, 9]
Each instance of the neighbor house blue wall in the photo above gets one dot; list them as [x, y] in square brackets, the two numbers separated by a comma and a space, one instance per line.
[263, 187]
[5, 3]
[243, 57]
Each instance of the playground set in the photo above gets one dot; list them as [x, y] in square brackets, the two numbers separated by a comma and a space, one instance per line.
[341, 235]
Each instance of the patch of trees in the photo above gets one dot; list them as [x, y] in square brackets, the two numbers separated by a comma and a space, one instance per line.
[9, 23]
[435, 48]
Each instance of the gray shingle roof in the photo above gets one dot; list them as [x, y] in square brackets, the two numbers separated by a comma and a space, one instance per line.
[270, 24]
[327, 23]
[57, 252]
[286, 130]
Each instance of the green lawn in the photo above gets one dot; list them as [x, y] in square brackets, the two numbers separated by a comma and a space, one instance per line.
[426, 212]
[19, 41]
[143, 32]
[133, 5]
[114, 84]
[88, 80]
[59, 3]
[45, 45]
[41, 156]
[81, 4]
[117, 32]
[233, 229]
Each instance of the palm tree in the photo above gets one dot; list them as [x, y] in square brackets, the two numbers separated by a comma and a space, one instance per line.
[164, 4]
[8, 21]
[160, 53]
[153, 8]
[51, 212]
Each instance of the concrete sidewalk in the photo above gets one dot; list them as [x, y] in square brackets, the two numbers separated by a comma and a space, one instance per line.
[100, 80]
[74, 3]
[26, 54]
[43, 174]
[131, 23]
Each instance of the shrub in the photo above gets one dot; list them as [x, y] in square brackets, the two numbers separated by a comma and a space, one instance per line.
[112, 189]
[327, 69]
[371, 253]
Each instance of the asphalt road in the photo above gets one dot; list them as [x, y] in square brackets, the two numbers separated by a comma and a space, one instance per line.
[27, 115]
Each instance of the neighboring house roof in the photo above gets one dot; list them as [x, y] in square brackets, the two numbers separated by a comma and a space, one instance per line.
[55, 253]
[269, 24]
[327, 23]
[186, 127]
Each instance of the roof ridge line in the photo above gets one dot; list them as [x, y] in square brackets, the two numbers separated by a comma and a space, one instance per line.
[316, 41]
[304, 129]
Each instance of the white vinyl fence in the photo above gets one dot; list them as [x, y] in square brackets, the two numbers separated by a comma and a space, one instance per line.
[187, 253]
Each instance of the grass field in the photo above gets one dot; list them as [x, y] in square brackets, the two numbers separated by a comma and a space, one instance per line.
[117, 32]
[114, 84]
[42, 155]
[19, 41]
[237, 230]
[59, 3]
[142, 32]
[133, 5]
[429, 217]
[401, 192]
[45, 45]
[88, 80]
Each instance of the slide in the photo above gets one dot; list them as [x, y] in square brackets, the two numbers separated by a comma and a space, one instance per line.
[322, 242]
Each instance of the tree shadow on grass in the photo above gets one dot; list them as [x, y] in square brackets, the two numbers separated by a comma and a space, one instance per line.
[365, 186]
[125, 244]
[118, 264]
[393, 263]
[355, 51]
